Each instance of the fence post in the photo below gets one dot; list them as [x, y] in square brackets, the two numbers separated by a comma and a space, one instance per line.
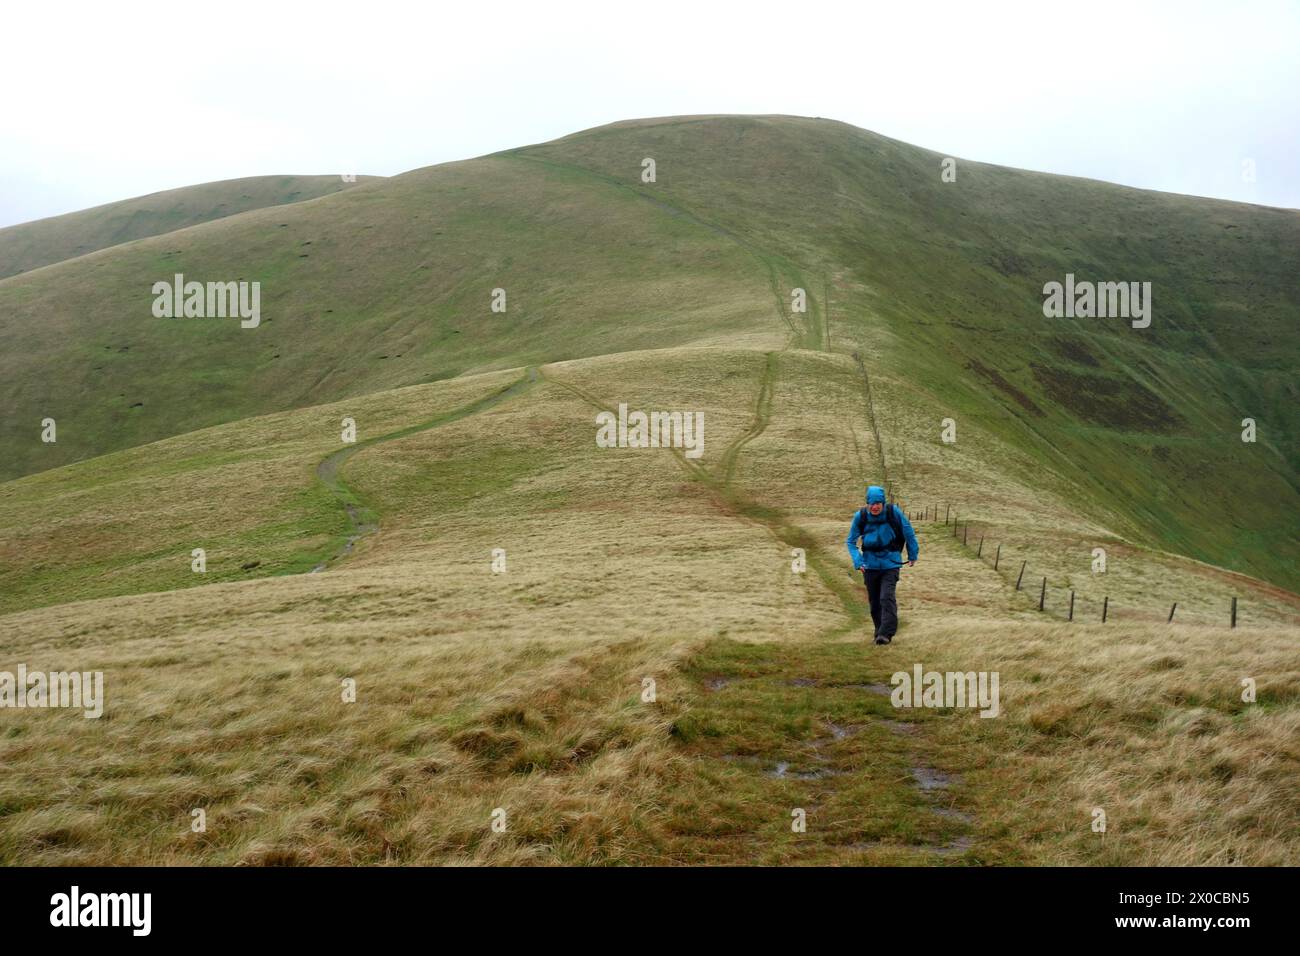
[1171, 613]
[964, 529]
[980, 552]
[1071, 617]
[1234, 612]
[1105, 606]
[1042, 594]
[954, 527]
[997, 557]
[1022, 574]
[946, 510]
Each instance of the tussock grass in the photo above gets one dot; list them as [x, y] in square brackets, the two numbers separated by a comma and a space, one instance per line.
[523, 691]
[1145, 722]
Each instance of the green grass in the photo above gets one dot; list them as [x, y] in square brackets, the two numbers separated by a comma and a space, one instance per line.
[937, 284]
[522, 690]
[43, 242]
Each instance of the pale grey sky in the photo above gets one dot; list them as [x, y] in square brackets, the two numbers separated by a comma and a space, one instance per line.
[105, 101]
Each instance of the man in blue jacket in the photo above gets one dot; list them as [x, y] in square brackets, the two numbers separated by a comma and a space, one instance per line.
[882, 529]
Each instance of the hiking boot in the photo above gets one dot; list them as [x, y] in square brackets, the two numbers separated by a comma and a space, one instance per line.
[881, 640]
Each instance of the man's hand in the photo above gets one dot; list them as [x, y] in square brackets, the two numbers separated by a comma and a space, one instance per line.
[910, 563]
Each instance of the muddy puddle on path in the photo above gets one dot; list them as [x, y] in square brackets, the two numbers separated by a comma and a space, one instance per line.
[930, 780]
[769, 728]
[934, 786]
[363, 521]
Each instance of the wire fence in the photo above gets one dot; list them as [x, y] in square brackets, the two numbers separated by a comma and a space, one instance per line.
[961, 532]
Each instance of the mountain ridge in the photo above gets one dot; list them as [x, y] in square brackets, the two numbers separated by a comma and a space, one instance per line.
[940, 279]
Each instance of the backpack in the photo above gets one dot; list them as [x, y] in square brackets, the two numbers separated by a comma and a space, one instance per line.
[891, 518]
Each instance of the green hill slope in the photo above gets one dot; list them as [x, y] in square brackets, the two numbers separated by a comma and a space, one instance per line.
[936, 283]
[30, 245]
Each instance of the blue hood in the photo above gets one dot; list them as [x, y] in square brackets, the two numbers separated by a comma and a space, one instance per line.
[875, 494]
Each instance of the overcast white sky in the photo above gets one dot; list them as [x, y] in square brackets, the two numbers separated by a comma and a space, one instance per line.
[109, 100]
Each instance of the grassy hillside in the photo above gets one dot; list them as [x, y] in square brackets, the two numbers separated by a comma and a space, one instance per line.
[390, 284]
[522, 690]
[31, 245]
[526, 690]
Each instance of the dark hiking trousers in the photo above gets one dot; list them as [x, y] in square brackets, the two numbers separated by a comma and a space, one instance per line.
[884, 606]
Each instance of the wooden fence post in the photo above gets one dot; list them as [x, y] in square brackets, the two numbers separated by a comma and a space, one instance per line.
[980, 552]
[997, 557]
[1022, 574]
[1071, 617]
[1171, 613]
[1042, 594]
[946, 510]
[1234, 612]
[1105, 606]
[964, 529]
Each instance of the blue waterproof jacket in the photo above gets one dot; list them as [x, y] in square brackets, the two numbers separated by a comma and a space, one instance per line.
[879, 550]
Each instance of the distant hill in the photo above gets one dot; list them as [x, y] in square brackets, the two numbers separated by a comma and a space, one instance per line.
[31, 245]
[938, 284]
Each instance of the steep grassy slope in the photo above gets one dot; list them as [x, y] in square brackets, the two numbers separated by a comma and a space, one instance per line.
[390, 286]
[940, 283]
[523, 690]
[31, 245]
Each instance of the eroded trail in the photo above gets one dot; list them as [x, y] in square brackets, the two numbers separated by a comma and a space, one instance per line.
[732, 500]
[800, 757]
[869, 784]
[762, 415]
[362, 519]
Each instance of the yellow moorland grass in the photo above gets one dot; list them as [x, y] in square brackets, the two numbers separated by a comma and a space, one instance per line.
[526, 691]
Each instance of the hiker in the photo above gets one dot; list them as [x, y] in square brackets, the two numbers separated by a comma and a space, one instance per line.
[882, 528]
